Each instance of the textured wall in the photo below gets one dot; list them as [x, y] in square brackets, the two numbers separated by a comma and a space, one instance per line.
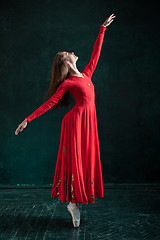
[126, 84]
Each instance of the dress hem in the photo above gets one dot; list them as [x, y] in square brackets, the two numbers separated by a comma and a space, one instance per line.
[57, 197]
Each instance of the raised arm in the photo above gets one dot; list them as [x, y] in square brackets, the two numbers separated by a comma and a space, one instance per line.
[89, 69]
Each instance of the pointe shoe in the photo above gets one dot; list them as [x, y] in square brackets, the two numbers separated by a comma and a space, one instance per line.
[75, 219]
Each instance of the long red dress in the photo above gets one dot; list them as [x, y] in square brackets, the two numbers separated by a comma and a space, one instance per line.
[78, 172]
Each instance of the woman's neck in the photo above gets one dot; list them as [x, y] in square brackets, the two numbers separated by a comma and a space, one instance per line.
[75, 72]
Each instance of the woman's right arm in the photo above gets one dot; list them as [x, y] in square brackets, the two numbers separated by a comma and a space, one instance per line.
[63, 87]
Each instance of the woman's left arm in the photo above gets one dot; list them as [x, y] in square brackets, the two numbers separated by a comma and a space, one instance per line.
[89, 69]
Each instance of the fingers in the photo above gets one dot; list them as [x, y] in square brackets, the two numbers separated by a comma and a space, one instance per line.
[110, 21]
[19, 129]
[112, 16]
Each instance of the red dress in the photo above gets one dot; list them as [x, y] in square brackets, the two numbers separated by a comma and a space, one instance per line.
[78, 172]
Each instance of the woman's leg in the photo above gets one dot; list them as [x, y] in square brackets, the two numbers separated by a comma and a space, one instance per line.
[74, 204]
[73, 208]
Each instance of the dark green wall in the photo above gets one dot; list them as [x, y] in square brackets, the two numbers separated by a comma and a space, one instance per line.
[126, 83]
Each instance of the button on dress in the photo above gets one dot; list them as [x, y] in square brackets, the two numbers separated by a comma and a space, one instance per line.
[78, 172]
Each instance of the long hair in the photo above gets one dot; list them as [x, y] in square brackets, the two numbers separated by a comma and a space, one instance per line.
[58, 75]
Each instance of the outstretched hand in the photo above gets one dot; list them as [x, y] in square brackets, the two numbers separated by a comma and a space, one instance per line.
[21, 126]
[108, 21]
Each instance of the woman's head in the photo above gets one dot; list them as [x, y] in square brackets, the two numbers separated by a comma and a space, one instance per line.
[61, 61]
[69, 60]
[70, 57]
[60, 71]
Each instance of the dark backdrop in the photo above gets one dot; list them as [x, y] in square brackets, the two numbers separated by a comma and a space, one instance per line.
[126, 82]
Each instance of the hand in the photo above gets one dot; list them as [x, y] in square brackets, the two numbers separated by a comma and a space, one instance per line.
[108, 21]
[21, 126]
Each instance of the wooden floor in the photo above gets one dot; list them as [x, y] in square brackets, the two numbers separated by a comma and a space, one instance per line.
[123, 214]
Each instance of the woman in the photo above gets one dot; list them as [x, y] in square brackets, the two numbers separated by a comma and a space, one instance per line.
[78, 173]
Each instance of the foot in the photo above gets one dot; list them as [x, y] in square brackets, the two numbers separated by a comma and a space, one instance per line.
[73, 209]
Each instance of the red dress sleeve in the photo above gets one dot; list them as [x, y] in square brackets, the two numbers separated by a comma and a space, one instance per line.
[89, 69]
[63, 87]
